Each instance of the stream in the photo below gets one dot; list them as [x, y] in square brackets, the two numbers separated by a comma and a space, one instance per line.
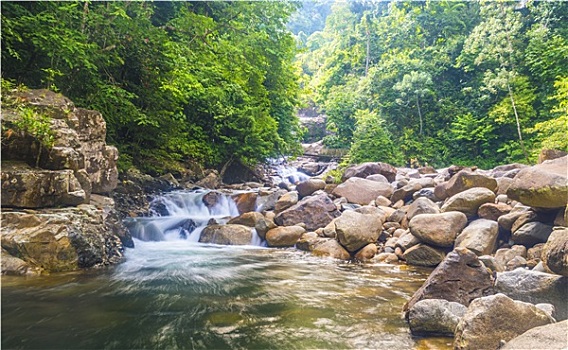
[175, 293]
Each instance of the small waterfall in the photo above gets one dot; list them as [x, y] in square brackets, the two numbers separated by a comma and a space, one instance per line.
[182, 215]
[286, 173]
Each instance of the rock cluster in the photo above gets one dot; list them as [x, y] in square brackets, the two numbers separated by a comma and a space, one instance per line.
[55, 213]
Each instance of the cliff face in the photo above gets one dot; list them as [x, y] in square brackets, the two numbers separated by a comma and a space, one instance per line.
[55, 213]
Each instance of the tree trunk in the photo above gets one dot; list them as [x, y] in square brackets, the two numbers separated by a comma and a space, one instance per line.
[367, 59]
[419, 112]
[518, 123]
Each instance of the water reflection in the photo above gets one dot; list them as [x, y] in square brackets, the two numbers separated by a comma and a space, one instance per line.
[183, 295]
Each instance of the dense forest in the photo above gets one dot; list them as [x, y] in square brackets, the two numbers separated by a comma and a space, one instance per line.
[441, 82]
[216, 82]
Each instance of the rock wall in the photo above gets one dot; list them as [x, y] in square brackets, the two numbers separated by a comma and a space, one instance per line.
[53, 218]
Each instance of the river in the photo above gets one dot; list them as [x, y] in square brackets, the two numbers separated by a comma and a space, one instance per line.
[186, 295]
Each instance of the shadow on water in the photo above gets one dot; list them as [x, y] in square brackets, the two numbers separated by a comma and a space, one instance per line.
[184, 295]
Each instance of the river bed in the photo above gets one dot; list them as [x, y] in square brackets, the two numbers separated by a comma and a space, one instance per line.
[185, 295]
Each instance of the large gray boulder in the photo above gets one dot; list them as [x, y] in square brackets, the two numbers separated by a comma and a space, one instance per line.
[362, 191]
[543, 185]
[532, 233]
[492, 319]
[469, 201]
[438, 229]
[355, 230]
[227, 234]
[460, 277]
[551, 337]
[555, 252]
[435, 317]
[422, 205]
[535, 287]
[480, 236]
[314, 212]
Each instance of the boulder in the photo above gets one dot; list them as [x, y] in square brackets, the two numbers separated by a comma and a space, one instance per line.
[555, 252]
[506, 221]
[246, 202]
[284, 236]
[543, 185]
[492, 211]
[286, 201]
[438, 229]
[25, 187]
[367, 252]
[422, 205]
[378, 178]
[13, 266]
[362, 191]
[308, 241]
[226, 234]
[405, 192]
[469, 201]
[551, 336]
[463, 181]
[306, 188]
[426, 193]
[504, 255]
[535, 287]
[370, 168]
[460, 277]
[254, 219]
[492, 319]
[480, 236]
[435, 317]
[267, 202]
[491, 263]
[331, 248]
[355, 230]
[532, 233]
[406, 241]
[503, 184]
[423, 255]
[57, 240]
[314, 212]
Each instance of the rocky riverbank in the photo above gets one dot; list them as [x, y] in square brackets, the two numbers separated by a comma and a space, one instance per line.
[497, 239]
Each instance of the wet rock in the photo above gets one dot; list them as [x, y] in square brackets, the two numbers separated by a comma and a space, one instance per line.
[308, 187]
[308, 241]
[555, 252]
[491, 319]
[367, 252]
[56, 240]
[423, 255]
[438, 229]
[13, 266]
[543, 185]
[460, 277]
[284, 236]
[355, 230]
[268, 202]
[532, 233]
[256, 220]
[331, 248]
[550, 336]
[469, 201]
[535, 287]
[246, 202]
[314, 212]
[366, 169]
[362, 191]
[435, 317]
[226, 234]
[387, 258]
[480, 236]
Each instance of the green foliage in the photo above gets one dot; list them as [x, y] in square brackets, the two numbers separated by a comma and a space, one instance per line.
[202, 81]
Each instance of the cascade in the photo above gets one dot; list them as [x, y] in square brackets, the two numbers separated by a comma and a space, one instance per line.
[182, 215]
[282, 172]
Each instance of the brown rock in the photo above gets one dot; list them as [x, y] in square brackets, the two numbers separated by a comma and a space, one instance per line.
[469, 201]
[492, 211]
[256, 220]
[367, 252]
[424, 255]
[309, 186]
[284, 236]
[286, 201]
[315, 212]
[489, 320]
[460, 277]
[463, 181]
[480, 236]
[550, 336]
[331, 248]
[504, 255]
[438, 229]
[532, 233]
[555, 252]
[246, 202]
[355, 230]
[422, 205]
[366, 169]
[227, 234]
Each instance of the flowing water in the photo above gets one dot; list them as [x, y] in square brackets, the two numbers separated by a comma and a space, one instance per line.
[175, 293]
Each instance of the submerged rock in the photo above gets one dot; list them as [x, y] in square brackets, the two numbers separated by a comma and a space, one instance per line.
[435, 317]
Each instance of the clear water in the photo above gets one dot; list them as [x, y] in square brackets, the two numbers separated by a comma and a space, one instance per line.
[185, 295]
